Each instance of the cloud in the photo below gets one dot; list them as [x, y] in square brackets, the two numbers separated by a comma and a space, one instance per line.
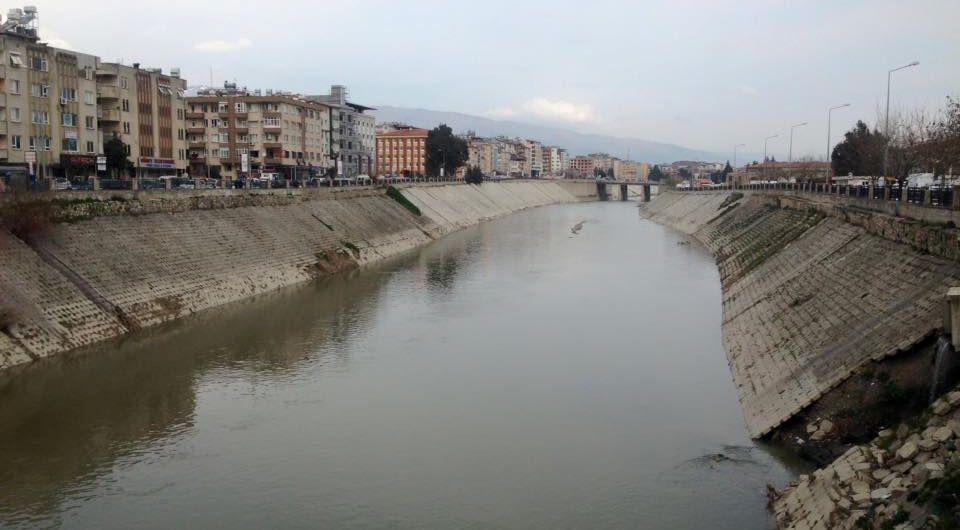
[547, 109]
[222, 46]
[558, 110]
[748, 90]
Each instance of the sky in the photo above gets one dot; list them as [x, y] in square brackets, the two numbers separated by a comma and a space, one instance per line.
[706, 74]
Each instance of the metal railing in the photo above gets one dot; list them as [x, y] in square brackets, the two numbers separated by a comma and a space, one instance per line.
[931, 197]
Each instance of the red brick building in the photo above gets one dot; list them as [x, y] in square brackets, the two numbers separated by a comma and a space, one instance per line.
[401, 151]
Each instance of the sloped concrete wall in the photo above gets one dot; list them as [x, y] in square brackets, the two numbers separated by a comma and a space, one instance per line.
[139, 263]
[808, 299]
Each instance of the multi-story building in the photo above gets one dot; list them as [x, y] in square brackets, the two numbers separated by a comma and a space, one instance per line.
[146, 110]
[552, 160]
[48, 111]
[353, 139]
[277, 133]
[630, 170]
[582, 165]
[401, 151]
[533, 158]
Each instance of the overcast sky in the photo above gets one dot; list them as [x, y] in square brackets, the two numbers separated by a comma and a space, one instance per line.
[706, 74]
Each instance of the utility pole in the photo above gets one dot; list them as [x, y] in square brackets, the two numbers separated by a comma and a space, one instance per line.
[735, 154]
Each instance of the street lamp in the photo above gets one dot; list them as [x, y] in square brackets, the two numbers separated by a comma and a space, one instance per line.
[829, 117]
[735, 154]
[790, 152]
[765, 146]
[886, 119]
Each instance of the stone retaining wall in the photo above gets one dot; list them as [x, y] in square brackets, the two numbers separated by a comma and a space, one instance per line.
[808, 299]
[124, 263]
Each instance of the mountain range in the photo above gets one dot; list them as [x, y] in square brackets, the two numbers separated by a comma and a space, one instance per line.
[574, 142]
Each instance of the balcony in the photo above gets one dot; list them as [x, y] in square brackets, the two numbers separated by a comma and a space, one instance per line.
[196, 129]
[197, 144]
[108, 115]
[3, 72]
[4, 154]
[3, 100]
[273, 161]
[271, 129]
[3, 128]
[194, 115]
[108, 92]
[272, 145]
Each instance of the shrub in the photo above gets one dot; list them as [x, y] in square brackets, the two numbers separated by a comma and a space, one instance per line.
[395, 194]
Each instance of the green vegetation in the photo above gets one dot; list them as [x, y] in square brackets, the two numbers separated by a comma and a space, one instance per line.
[395, 194]
[474, 176]
[443, 148]
[350, 246]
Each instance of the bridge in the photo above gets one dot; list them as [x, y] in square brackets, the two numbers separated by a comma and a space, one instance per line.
[604, 194]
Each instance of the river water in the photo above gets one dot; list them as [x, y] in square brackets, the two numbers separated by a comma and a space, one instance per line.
[512, 375]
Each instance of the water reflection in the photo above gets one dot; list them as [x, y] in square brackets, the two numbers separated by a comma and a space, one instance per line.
[66, 421]
[513, 375]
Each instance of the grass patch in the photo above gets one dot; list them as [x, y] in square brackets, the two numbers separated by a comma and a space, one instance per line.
[350, 246]
[395, 194]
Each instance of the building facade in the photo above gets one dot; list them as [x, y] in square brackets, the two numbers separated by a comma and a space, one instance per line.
[353, 139]
[146, 110]
[401, 152]
[583, 166]
[48, 110]
[278, 134]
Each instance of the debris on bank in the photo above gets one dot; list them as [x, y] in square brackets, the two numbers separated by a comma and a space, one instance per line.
[906, 478]
[577, 227]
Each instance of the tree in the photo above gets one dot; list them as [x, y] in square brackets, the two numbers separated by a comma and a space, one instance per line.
[116, 152]
[655, 174]
[444, 149]
[860, 152]
[610, 173]
[474, 175]
[721, 176]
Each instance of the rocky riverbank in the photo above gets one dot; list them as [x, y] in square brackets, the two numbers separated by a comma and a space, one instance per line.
[908, 477]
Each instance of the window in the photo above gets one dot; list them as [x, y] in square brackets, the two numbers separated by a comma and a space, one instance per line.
[241, 107]
[224, 152]
[90, 147]
[39, 63]
[89, 122]
[15, 60]
[126, 105]
[123, 83]
[126, 127]
[15, 114]
[88, 97]
[70, 145]
[39, 116]
[14, 86]
[69, 119]
[68, 94]
[15, 141]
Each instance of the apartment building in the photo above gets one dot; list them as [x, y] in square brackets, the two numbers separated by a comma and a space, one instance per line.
[401, 151]
[582, 166]
[146, 110]
[47, 105]
[553, 160]
[353, 140]
[532, 152]
[275, 132]
[630, 170]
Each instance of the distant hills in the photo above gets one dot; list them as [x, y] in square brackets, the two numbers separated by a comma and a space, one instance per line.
[576, 143]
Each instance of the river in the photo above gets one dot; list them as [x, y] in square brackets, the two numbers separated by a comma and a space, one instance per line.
[511, 375]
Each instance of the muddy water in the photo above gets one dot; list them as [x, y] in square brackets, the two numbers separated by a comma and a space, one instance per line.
[513, 375]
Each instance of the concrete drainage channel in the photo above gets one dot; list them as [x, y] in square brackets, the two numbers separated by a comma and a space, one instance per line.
[104, 265]
[831, 327]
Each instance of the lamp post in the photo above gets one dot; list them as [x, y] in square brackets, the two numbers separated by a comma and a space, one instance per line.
[886, 118]
[790, 152]
[829, 118]
[765, 146]
[735, 154]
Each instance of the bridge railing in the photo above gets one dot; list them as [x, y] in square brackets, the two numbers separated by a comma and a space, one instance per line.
[930, 197]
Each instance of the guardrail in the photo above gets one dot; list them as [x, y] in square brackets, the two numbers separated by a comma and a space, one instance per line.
[947, 198]
[61, 185]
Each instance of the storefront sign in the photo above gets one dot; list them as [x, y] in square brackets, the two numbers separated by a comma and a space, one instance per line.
[157, 163]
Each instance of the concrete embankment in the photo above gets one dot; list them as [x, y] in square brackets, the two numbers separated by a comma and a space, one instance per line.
[112, 263]
[809, 297]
